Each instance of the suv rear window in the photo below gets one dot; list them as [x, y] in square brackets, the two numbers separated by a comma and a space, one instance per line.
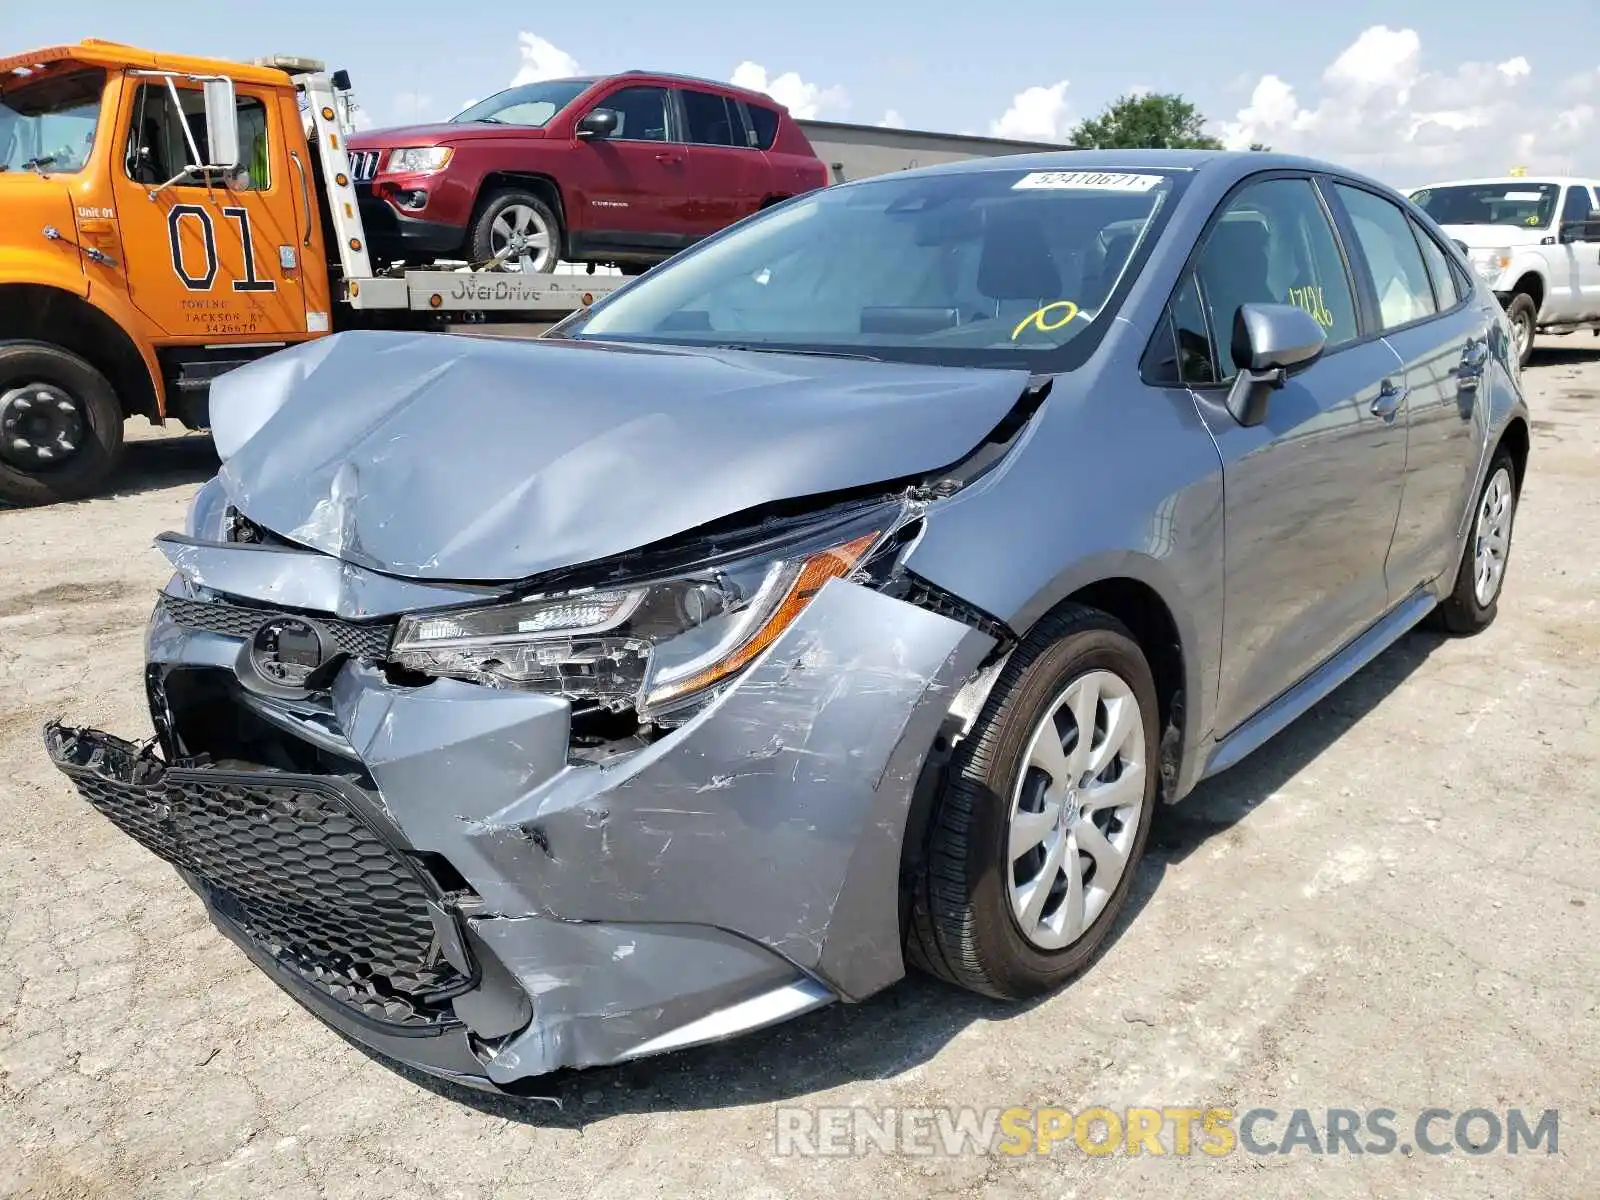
[766, 122]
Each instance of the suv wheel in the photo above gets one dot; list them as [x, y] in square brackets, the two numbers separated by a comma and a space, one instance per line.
[1035, 841]
[516, 231]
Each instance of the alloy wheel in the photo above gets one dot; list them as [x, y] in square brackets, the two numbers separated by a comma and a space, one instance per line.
[1075, 809]
[519, 238]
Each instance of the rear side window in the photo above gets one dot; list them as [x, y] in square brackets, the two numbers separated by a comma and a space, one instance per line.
[712, 120]
[1393, 256]
[1274, 245]
[1447, 288]
[765, 121]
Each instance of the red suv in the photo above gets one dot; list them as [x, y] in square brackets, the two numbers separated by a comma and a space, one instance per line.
[626, 169]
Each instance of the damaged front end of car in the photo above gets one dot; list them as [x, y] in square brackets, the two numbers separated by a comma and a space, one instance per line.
[493, 830]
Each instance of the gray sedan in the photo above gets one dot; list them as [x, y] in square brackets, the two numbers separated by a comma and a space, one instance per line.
[844, 594]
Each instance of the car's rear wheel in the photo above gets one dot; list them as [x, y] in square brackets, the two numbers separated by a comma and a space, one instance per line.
[1034, 843]
[1524, 318]
[516, 231]
[60, 425]
[1473, 602]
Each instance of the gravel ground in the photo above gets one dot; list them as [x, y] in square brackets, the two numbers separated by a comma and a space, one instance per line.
[1392, 906]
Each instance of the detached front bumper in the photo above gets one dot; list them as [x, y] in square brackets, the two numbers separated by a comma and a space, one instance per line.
[448, 874]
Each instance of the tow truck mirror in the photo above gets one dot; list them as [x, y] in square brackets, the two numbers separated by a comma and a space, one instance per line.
[598, 123]
[222, 126]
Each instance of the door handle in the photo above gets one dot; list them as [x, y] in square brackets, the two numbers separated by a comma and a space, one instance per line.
[669, 158]
[1389, 400]
[305, 194]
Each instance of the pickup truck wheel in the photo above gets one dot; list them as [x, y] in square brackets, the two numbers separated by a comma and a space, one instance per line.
[1033, 844]
[1524, 321]
[60, 425]
[517, 230]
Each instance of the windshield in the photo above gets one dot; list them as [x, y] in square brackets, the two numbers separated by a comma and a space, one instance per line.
[1510, 202]
[531, 105]
[990, 268]
[47, 123]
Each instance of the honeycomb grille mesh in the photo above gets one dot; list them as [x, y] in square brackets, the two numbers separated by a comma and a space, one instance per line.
[291, 865]
[359, 640]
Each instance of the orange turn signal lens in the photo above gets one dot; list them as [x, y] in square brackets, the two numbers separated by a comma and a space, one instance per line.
[833, 563]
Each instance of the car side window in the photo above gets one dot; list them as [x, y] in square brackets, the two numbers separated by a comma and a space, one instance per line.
[158, 150]
[1383, 232]
[1578, 206]
[1180, 351]
[641, 113]
[1446, 283]
[765, 121]
[1273, 244]
[711, 119]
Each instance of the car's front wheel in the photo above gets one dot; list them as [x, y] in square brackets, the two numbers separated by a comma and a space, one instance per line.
[1032, 847]
[516, 231]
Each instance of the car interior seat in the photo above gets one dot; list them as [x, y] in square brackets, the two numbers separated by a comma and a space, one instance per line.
[1016, 269]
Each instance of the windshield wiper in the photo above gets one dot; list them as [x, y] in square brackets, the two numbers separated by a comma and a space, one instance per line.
[39, 164]
[768, 348]
[490, 120]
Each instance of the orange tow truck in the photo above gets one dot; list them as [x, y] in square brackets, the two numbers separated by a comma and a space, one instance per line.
[164, 219]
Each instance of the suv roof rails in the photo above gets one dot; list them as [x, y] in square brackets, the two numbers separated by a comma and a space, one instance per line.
[681, 78]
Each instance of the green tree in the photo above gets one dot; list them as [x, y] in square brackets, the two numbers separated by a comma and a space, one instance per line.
[1157, 120]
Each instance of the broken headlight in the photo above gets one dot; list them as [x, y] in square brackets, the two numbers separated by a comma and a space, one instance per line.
[654, 645]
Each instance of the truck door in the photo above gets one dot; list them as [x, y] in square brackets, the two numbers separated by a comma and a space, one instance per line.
[1578, 262]
[633, 182]
[209, 262]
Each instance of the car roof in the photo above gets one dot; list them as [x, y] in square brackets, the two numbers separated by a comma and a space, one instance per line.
[1230, 164]
[1510, 181]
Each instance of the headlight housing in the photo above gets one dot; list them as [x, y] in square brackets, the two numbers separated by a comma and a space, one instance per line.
[1490, 261]
[656, 645]
[418, 159]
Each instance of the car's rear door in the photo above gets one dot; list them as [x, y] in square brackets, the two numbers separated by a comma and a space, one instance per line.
[1445, 341]
[727, 171]
[1312, 493]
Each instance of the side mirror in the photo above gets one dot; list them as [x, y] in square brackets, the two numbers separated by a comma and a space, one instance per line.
[1580, 231]
[1270, 343]
[222, 125]
[598, 123]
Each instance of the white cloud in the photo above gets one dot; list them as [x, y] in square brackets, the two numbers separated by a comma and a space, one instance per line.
[1379, 107]
[411, 108]
[803, 100]
[1037, 114]
[542, 60]
[892, 120]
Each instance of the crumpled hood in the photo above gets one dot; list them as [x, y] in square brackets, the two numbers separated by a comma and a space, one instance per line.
[433, 456]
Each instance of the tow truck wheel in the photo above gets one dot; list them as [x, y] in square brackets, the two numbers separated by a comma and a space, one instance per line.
[60, 425]
[517, 230]
[1524, 319]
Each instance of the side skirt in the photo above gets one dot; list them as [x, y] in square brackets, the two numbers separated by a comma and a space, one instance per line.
[1272, 719]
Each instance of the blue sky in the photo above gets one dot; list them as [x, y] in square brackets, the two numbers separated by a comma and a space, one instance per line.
[1395, 86]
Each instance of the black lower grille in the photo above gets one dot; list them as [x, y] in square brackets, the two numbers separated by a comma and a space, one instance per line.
[369, 640]
[291, 862]
[914, 589]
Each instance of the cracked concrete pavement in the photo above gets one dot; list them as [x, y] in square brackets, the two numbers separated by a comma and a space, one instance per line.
[1393, 905]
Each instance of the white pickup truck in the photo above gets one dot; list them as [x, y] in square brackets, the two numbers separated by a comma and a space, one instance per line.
[1534, 241]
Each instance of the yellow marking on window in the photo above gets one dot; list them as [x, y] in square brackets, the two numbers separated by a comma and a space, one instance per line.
[1037, 318]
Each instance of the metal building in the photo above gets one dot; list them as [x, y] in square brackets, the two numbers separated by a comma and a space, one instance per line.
[857, 151]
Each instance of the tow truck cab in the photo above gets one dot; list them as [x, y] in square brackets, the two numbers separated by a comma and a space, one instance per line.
[161, 227]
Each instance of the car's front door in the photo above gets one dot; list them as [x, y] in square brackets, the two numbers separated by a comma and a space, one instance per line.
[634, 183]
[213, 261]
[1579, 257]
[1426, 312]
[1311, 493]
[727, 173]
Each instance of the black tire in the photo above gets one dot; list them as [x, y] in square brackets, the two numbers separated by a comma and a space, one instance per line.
[1462, 613]
[962, 926]
[95, 429]
[480, 238]
[1524, 318]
